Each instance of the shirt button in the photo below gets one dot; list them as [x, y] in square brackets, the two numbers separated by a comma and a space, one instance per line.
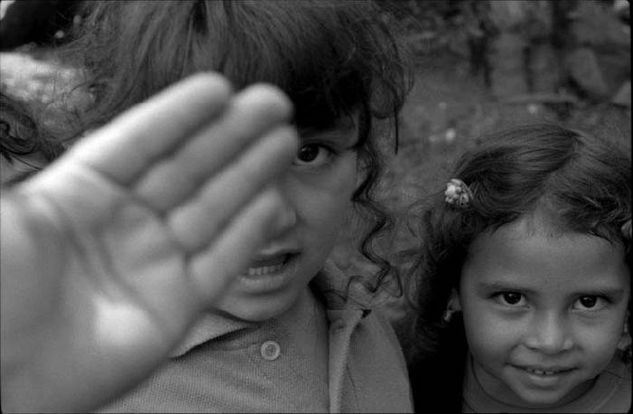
[270, 350]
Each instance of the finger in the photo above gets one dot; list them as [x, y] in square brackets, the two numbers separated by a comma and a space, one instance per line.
[197, 222]
[251, 114]
[127, 146]
[214, 268]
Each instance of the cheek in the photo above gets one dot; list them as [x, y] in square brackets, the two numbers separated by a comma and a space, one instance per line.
[599, 342]
[344, 179]
[329, 211]
[324, 201]
[489, 337]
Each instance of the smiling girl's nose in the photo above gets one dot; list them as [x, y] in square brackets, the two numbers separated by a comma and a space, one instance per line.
[549, 333]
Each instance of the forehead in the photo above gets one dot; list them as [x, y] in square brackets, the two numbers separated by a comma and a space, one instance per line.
[344, 129]
[526, 253]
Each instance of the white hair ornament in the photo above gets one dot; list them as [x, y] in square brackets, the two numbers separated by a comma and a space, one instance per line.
[457, 194]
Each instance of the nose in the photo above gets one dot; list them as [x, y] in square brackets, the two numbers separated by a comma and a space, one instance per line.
[285, 217]
[549, 333]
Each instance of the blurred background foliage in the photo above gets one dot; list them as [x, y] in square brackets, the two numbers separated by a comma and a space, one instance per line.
[529, 46]
[482, 65]
[479, 65]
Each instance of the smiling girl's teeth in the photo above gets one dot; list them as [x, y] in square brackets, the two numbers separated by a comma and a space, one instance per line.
[539, 372]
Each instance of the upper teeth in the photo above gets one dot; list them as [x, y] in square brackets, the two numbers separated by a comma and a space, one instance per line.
[539, 372]
[264, 270]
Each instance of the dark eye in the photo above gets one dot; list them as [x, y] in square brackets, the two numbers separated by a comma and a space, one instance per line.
[590, 303]
[313, 155]
[510, 298]
[308, 153]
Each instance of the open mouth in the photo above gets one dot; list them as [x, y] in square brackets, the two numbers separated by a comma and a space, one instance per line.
[264, 270]
[269, 265]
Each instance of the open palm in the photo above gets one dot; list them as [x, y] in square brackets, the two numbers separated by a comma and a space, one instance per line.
[110, 254]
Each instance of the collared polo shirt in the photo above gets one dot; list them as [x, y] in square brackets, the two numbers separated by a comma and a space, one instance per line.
[329, 353]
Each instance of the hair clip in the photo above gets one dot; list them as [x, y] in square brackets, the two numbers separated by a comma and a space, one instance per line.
[457, 193]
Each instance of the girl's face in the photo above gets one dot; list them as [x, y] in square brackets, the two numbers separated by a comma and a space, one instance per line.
[543, 313]
[318, 191]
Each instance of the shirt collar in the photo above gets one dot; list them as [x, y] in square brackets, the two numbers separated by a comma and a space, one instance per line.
[208, 327]
[330, 284]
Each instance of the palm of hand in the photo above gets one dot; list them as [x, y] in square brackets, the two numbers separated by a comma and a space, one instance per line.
[120, 244]
[127, 277]
[125, 298]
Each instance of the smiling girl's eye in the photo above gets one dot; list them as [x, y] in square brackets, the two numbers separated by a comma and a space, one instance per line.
[313, 155]
[510, 298]
[590, 303]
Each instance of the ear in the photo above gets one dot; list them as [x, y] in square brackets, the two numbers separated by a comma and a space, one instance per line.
[454, 303]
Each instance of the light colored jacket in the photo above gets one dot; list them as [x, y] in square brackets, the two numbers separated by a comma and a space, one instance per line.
[330, 353]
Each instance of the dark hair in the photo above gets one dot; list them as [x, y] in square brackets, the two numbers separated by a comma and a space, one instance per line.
[21, 135]
[332, 58]
[584, 181]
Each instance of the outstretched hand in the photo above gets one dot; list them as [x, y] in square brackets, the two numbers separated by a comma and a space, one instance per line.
[112, 252]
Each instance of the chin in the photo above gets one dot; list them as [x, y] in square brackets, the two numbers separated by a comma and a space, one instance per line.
[257, 315]
[260, 309]
[541, 399]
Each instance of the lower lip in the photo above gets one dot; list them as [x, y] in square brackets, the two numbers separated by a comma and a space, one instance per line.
[542, 380]
[269, 278]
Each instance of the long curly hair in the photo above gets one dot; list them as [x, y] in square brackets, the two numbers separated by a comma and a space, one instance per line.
[333, 59]
[585, 180]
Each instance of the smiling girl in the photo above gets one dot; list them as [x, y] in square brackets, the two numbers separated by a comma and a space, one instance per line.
[524, 278]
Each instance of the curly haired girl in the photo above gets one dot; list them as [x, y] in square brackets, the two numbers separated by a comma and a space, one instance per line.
[523, 278]
[183, 247]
